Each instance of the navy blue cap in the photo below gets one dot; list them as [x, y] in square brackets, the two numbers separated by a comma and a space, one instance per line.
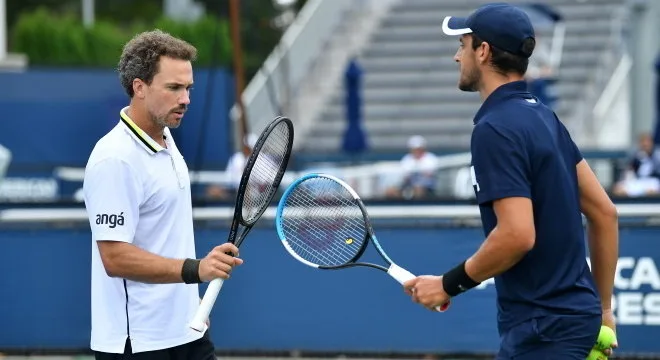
[502, 25]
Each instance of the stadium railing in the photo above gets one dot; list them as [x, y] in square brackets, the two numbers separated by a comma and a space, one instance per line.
[372, 178]
[290, 60]
[647, 213]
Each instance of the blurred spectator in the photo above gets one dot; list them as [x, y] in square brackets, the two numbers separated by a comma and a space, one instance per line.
[540, 74]
[641, 176]
[233, 171]
[5, 159]
[419, 172]
[539, 66]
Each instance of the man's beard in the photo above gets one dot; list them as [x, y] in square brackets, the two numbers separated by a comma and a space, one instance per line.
[162, 120]
[471, 81]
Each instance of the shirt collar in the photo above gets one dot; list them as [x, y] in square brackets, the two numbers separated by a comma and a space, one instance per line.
[138, 134]
[500, 94]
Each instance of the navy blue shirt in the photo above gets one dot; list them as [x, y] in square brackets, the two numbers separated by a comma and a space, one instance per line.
[520, 149]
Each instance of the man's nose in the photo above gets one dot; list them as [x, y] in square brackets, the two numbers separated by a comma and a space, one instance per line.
[185, 99]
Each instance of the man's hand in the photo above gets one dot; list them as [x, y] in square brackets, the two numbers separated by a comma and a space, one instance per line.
[217, 264]
[608, 320]
[427, 291]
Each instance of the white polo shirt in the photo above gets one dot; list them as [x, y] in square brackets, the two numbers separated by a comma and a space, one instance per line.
[138, 192]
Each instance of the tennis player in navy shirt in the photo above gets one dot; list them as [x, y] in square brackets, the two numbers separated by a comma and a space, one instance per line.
[532, 186]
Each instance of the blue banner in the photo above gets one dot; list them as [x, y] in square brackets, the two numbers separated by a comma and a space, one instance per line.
[273, 302]
[54, 117]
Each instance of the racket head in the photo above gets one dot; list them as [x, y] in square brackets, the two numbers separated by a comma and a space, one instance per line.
[260, 181]
[322, 222]
[263, 173]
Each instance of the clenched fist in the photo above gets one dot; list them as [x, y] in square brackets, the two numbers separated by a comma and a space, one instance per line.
[217, 264]
[427, 291]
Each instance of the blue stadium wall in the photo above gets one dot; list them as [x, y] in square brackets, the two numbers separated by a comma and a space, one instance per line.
[275, 303]
[53, 118]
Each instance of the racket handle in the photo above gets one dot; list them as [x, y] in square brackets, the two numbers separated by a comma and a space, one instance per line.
[402, 275]
[198, 322]
[443, 307]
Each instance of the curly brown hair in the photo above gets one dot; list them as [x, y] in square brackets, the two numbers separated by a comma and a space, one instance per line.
[141, 55]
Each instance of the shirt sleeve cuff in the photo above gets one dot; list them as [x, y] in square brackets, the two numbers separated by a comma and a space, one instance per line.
[501, 194]
[113, 236]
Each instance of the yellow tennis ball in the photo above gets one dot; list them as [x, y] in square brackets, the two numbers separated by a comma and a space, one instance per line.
[606, 337]
[596, 355]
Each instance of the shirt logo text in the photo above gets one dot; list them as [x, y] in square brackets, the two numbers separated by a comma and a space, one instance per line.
[111, 220]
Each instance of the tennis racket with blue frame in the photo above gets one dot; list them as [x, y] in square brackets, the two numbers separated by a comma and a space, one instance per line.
[323, 223]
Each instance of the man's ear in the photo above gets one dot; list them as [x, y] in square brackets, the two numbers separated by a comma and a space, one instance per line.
[483, 52]
[139, 88]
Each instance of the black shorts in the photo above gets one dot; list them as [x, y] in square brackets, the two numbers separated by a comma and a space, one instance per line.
[200, 349]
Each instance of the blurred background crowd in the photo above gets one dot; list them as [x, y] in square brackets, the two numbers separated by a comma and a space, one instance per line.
[371, 86]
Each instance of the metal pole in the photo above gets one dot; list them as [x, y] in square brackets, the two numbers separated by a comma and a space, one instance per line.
[234, 15]
[3, 30]
[644, 50]
[88, 13]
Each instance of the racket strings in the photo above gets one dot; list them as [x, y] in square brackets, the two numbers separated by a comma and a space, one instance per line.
[317, 251]
[315, 239]
[269, 163]
[335, 251]
[322, 222]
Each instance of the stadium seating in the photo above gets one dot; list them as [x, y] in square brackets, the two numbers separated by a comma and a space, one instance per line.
[410, 77]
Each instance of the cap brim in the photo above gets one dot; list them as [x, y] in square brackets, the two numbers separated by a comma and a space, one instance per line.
[455, 26]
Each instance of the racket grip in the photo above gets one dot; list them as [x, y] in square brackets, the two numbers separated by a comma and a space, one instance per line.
[198, 322]
[402, 275]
